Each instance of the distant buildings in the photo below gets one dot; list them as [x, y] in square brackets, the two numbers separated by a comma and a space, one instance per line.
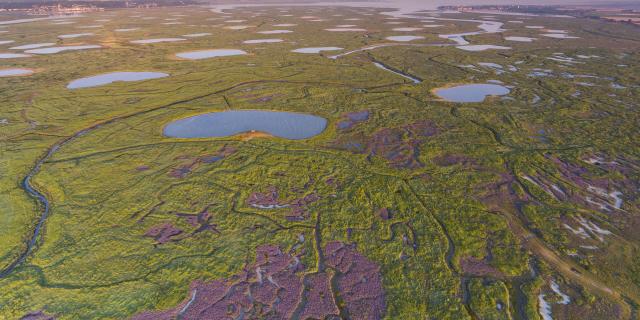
[622, 18]
[58, 9]
[608, 13]
[53, 7]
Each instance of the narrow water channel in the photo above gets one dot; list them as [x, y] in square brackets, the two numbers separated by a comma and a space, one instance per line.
[414, 79]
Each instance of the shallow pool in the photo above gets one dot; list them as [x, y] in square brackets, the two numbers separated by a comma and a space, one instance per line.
[471, 92]
[52, 50]
[316, 49]
[404, 38]
[74, 35]
[108, 78]
[33, 46]
[275, 31]
[157, 40]
[255, 41]
[204, 54]
[15, 72]
[13, 55]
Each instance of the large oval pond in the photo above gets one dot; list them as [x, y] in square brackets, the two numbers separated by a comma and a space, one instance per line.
[288, 125]
[471, 92]
[108, 78]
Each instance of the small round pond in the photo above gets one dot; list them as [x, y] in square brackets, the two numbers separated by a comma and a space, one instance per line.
[288, 125]
[471, 92]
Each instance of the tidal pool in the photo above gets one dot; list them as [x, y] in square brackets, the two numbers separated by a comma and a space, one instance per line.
[559, 36]
[471, 92]
[237, 27]
[346, 30]
[404, 38]
[275, 31]
[485, 27]
[197, 35]
[519, 39]
[406, 29]
[33, 46]
[404, 75]
[204, 54]
[16, 21]
[52, 50]
[13, 55]
[157, 40]
[255, 41]
[74, 35]
[481, 47]
[316, 49]
[108, 78]
[15, 72]
[288, 125]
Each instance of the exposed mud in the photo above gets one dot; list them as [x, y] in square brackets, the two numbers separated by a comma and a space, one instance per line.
[399, 146]
[275, 287]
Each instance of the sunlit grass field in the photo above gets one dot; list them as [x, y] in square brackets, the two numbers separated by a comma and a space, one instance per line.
[497, 201]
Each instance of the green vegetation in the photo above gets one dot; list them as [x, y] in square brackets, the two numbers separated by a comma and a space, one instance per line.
[467, 209]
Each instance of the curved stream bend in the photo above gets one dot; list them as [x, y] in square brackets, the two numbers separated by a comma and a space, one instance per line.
[26, 185]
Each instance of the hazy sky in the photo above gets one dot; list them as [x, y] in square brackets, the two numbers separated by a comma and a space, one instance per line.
[407, 6]
[414, 3]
